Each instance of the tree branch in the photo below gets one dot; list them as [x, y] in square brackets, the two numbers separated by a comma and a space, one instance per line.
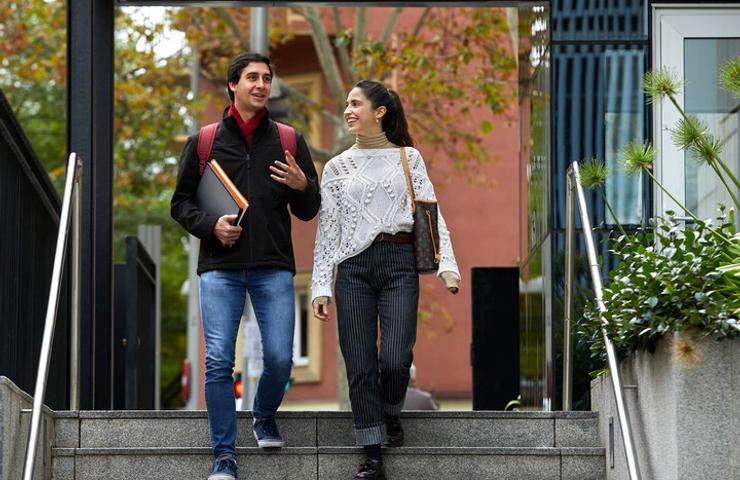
[389, 26]
[359, 35]
[221, 12]
[319, 154]
[384, 38]
[344, 140]
[343, 50]
[325, 53]
[420, 22]
[294, 92]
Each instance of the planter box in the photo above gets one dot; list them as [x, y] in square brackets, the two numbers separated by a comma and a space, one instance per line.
[685, 414]
[15, 418]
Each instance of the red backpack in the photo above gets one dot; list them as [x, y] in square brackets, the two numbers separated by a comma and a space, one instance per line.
[288, 139]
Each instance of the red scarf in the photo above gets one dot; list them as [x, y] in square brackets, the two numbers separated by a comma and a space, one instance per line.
[249, 127]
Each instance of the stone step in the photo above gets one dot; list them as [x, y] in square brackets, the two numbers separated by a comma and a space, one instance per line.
[132, 429]
[334, 463]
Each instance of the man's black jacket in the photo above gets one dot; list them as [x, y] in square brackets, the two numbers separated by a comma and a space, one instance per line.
[265, 240]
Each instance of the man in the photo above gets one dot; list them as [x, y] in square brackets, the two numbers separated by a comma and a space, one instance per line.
[254, 257]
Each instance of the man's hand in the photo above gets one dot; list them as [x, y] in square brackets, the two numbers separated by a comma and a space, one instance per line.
[289, 173]
[226, 232]
[321, 308]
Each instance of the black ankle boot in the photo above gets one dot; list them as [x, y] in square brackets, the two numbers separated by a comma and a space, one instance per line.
[372, 469]
[394, 430]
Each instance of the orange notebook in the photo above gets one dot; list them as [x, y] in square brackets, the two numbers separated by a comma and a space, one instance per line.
[217, 194]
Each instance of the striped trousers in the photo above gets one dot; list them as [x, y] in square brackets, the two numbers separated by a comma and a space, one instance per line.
[380, 283]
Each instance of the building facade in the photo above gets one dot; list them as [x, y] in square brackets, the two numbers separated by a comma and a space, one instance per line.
[580, 68]
[590, 104]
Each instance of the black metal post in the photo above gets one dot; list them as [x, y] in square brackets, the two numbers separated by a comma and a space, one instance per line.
[90, 127]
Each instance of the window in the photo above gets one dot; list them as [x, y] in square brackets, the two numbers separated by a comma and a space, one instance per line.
[308, 120]
[694, 42]
[307, 337]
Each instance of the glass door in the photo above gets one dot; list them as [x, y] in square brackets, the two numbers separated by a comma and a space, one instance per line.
[695, 42]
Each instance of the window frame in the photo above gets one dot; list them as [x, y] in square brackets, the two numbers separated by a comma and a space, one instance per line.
[672, 25]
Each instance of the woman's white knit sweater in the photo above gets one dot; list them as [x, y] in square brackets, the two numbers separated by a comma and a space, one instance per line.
[364, 193]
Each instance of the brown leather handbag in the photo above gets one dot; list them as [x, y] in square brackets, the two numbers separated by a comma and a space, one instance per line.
[426, 232]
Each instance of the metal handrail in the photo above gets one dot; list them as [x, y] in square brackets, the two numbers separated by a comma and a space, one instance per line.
[574, 184]
[71, 188]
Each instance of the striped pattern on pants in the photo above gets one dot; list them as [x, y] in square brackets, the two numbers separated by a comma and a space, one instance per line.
[381, 282]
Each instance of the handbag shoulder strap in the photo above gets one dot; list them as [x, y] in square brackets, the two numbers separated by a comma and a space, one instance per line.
[408, 178]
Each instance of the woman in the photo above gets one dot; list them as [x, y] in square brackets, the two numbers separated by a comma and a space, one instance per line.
[364, 233]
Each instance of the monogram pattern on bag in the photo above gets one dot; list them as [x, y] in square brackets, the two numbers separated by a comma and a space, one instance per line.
[426, 240]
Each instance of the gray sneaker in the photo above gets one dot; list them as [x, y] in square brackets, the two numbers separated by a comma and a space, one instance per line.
[224, 468]
[266, 433]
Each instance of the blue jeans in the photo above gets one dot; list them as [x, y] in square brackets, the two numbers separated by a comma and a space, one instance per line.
[222, 297]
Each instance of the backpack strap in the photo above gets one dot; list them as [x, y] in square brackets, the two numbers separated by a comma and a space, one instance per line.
[205, 144]
[288, 138]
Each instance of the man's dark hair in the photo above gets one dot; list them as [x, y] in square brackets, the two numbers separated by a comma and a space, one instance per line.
[239, 63]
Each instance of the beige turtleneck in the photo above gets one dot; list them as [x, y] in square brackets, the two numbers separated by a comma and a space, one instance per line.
[374, 141]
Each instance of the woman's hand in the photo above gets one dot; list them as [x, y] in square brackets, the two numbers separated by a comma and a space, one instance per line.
[321, 308]
[451, 281]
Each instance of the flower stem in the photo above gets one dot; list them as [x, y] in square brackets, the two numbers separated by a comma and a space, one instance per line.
[611, 210]
[724, 182]
[715, 157]
[688, 212]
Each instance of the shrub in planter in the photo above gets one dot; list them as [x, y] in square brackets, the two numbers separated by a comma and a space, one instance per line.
[669, 280]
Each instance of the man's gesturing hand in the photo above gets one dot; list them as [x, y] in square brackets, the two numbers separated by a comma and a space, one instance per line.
[227, 233]
[289, 173]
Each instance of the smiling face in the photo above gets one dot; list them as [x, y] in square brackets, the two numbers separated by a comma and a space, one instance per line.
[253, 88]
[360, 114]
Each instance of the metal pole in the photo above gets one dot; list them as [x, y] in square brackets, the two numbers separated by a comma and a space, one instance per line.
[624, 420]
[74, 344]
[258, 30]
[51, 313]
[150, 237]
[193, 315]
[252, 357]
[570, 228]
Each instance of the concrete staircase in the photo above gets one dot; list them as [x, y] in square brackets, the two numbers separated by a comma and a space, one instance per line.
[139, 445]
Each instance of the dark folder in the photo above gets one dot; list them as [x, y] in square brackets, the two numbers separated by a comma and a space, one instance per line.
[217, 194]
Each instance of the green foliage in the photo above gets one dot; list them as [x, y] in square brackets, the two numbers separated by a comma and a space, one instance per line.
[151, 100]
[661, 83]
[33, 76]
[688, 133]
[729, 76]
[672, 279]
[458, 64]
[668, 280]
[637, 157]
[593, 173]
[151, 105]
[458, 61]
[514, 405]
